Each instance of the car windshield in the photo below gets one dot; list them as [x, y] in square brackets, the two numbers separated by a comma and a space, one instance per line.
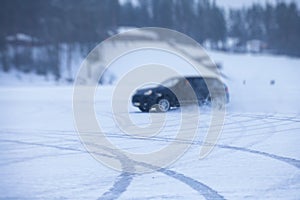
[170, 82]
[150, 85]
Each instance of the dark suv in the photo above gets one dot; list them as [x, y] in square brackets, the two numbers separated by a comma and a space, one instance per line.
[162, 97]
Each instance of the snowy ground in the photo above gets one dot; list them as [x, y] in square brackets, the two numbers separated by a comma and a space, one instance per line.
[257, 156]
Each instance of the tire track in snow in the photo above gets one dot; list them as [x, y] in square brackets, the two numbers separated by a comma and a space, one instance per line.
[125, 178]
[271, 129]
[246, 130]
[274, 117]
[26, 159]
[119, 187]
[290, 161]
[206, 191]
[227, 130]
[286, 121]
[42, 145]
[123, 181]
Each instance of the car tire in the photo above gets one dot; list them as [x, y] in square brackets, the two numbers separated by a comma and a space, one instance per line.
[163, 105]
[206, 102]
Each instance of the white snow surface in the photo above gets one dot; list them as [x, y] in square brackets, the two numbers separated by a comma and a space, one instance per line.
[236, 4]
[256, 157]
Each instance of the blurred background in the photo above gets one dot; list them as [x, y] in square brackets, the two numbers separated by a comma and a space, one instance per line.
[256, 46]
[46, 41]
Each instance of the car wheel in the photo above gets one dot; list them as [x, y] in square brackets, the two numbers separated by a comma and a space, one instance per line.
[163, 105]
[206, 102]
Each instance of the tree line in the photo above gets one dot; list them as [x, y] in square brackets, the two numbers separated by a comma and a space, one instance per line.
[52, 23]
[278, 26]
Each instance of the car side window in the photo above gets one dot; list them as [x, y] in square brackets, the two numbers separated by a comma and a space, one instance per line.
[199, 83]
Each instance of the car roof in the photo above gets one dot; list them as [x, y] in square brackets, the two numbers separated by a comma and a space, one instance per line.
[200, 77]
[189, 78]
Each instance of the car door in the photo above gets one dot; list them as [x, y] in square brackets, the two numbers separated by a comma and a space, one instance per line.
[200, 88]
[183, 91]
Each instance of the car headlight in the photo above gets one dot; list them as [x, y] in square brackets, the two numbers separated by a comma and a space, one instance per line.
[149, 92]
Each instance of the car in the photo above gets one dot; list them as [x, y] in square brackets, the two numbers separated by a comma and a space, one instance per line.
[162, 97]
